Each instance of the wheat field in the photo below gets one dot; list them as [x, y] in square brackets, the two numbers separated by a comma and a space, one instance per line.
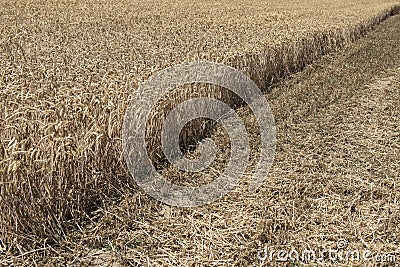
[69, 68]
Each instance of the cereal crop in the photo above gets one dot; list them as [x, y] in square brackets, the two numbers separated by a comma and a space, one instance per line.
[69, 68]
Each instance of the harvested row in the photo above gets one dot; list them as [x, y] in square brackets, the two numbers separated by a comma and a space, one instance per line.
[69, 68]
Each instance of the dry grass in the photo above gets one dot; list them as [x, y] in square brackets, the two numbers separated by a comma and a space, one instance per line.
[335, 176]
[67, 71]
